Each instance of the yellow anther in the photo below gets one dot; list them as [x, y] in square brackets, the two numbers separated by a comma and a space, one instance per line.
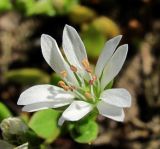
[63, 73]
[66, 88]
[61, 84]
[73, 68]
[86, 65]
[88, 95]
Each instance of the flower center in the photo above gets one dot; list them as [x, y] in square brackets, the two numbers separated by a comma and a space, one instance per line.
[88, 89]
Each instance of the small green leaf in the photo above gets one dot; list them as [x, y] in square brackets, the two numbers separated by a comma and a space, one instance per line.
[16, 131]
[106, 26]
[85, 131]
[44, 123]
[4, 112]
[43, 7]
[27, 76]
[79, 14]
[63, 6]
[5, 5]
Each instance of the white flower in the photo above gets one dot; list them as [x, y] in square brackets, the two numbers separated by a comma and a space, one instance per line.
[81, 88]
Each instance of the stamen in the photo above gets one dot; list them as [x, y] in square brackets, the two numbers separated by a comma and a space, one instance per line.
[73, 68]
[63, 74]
[61, 84]
[94, 78]
[91, 82]
[88, 95]
[86, 65]
[66, 88]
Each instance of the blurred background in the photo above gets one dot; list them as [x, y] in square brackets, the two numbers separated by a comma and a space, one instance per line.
[21, 63]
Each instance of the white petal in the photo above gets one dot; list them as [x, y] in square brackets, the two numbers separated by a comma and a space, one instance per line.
[117, 97]
[54, 58]
[44, 93]
[75, 111]
[112, 112]
[73, 46]
[44, 105]
[114, 65]
[106, 54]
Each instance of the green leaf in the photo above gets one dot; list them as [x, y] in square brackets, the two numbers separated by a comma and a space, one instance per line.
[16, 131]
[106, 26]
[41, 7]
[94, 41]
[84, 132]
[35, 7]
[5, 5]
[4, 112]
[44, 123]
[27, 76]
[79, 14]
[63, 6]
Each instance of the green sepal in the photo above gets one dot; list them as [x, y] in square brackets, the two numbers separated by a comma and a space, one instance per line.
[109, 86]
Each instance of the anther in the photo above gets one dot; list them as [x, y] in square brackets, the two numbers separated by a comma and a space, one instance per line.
[63, 73]
[73, 68]
[91, 82]
[94, 78]
[61, 84]
[66, 88]
[86, 65]
[88, 95]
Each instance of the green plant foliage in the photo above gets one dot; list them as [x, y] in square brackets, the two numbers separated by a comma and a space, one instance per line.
[34, 7]
[79, 14]
[4, 112]
[106, 26]
[85, 131]
[64, 6]
[94, 41]
[5, 5]
[15, 131]
[44, 123]
[27, 76]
